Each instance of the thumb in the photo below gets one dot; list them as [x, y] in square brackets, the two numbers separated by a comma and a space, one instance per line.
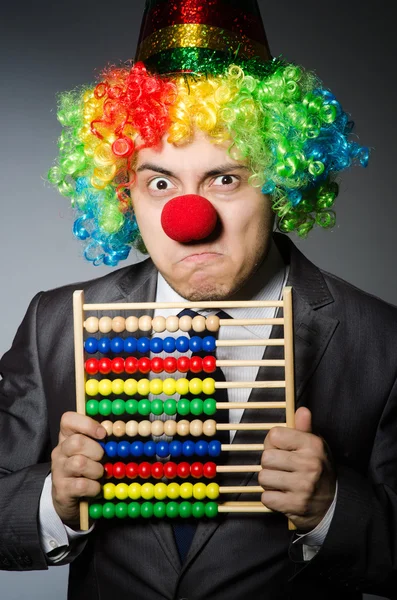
[303, 419]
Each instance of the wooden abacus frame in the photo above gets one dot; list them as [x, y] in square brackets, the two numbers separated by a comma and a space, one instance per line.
[79, 310]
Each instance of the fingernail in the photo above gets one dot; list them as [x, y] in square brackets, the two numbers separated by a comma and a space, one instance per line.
[100, 432]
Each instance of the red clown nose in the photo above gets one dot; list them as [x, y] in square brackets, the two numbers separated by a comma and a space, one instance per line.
[188, 218]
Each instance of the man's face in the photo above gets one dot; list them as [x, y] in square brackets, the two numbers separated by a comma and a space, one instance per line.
[218, 266]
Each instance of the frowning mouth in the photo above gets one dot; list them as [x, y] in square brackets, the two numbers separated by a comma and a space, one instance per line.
[201, 257]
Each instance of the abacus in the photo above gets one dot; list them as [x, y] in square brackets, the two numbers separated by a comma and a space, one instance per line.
[119, 393]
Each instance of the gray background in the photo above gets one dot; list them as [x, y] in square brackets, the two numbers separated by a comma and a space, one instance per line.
[54, 46]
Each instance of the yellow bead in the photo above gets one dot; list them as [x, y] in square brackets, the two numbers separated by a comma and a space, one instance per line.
[156, 386]
[182, 386]
[147, 491]
[199, 491]
[186, 490]
[105, 324]
[208, 386]
[109, 491]
[91, 324]
[160, 491]
[143, 387]
[173, 490]
[134, 491]
[195, 386]
[131, 324]
[105, 387]
[118, 386]
[212, 491]
[130, 387]
[169, 386]
[122, 491]
[91, 387]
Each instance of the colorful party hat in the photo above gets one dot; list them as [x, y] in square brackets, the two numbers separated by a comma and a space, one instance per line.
[203, 36]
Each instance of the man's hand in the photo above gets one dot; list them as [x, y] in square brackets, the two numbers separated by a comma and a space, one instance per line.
[75, 466]
[297, 474]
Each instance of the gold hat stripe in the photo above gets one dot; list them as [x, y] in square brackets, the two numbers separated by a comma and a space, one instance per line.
[192, 35]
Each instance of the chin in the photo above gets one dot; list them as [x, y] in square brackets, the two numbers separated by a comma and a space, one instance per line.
[206, 292]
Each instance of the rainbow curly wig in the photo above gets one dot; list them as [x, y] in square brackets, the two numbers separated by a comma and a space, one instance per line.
[292, 132]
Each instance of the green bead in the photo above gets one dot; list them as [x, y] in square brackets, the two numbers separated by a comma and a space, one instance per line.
[118, 407]
[159, 510]
[209, 406]
[196, 406]
[198, 510]
[95, 511]
[211, 509]
[157, 406]
[108, 510]
[185, 510]
[131, 407]
[92, 408]
[146, 510]
[105, 407]
[183, 407]
[134, 510]
[172, 510]
[121, 510]
[144, 407]
[170, 407]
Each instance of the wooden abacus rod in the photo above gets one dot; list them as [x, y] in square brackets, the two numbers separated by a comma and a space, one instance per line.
[268, 342]
[225, 385]
[245, 322]
[247, 426]
[240, 489]
[227, 405]
[242, 447]
[238, 468]
[251, 363]
[159, 305]
[249, 507]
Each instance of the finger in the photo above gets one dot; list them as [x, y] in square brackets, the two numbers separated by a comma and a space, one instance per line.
[81, 466]
[81, 444]
[72, 422]
[303, 419]
[69, 488]
[285, 502]
[285, 438]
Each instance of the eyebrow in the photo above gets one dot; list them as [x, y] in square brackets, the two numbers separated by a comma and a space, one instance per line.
[220, 170]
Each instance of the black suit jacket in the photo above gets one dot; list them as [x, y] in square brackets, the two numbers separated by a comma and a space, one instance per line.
[345, 370]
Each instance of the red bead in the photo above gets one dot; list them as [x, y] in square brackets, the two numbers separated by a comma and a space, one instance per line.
[170, 364]
[131, 470]
[145, 470]
[209, 364]
[183, 363]
[108, 467]
[131, 364]
[209, 470]
[196, 364]
[157, 470]
[183, 470]
[196, 470]
[144, 364]
[118, 365]
[91, 366]
[105, 366]
[170, 470]
[157, 364]
[119, 470]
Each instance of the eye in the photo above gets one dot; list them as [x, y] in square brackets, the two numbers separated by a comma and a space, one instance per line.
[160, 184]
[226, 181]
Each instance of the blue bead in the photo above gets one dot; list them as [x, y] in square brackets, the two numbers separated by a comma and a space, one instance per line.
[130, 345]
[188, 448]
[156, 345]
[195, 343]
[91, 345]
[111, 449]
[123, 449]
[104, 345]
[117, 345]
[143, 345]
[201, 448]
[169, 344]
[136, 448]
[209, 343]
[214, 448]
[149, 448]
[182, 343]
[175, 448]
[162, 449]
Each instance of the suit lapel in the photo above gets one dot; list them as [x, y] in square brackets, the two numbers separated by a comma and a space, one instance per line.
[312, 334]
